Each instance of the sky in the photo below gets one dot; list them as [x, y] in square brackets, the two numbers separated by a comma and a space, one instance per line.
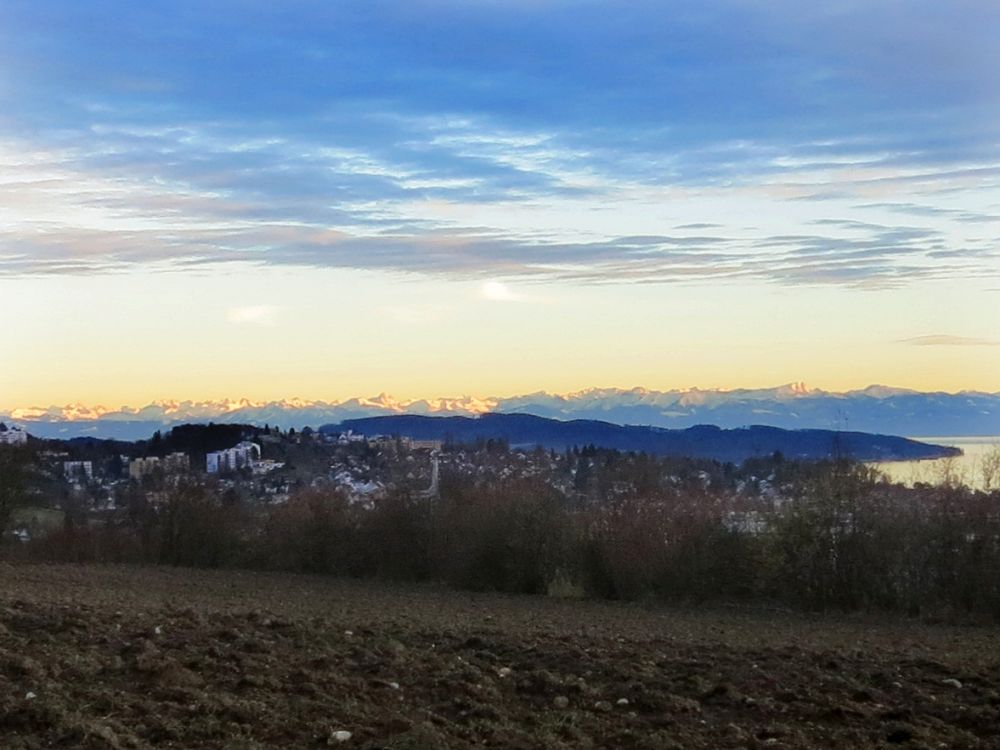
[217, 199]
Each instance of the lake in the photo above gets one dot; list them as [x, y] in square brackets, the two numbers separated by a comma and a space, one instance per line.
[967, 468]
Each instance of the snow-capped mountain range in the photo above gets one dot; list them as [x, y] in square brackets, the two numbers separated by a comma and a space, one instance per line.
[877, 408]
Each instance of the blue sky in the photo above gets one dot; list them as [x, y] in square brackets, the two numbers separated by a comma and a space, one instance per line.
[442, 155]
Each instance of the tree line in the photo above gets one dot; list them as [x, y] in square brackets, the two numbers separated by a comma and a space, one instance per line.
[842, 539]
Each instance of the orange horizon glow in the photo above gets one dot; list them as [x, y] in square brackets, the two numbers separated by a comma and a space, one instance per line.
[22, 410]
[322, 338]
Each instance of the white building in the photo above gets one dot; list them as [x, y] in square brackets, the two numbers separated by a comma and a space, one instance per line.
[77, 470]
[266, 466]
[346, 438]
[243, 455]
[12, 435]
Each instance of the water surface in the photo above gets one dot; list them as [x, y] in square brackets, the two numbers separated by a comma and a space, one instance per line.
[966, 469]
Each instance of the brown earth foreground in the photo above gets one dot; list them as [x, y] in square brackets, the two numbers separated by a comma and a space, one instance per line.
[110, 657]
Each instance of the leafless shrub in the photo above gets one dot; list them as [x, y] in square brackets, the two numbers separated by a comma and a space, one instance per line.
[843, 539]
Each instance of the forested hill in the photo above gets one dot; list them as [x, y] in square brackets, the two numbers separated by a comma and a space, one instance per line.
[703, 441]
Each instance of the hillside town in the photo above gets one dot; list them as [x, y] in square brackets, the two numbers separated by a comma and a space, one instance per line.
[92, 481]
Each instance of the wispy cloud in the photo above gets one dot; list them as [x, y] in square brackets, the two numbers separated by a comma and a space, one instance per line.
[945, 340]
[568, 146]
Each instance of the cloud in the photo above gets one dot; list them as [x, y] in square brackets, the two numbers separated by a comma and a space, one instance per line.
[945, 340]
[552, 140]
[963, 215]
[252, 314]
[497, 291]
[212, 233]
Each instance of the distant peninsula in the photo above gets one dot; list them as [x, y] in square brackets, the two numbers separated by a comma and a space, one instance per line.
[701, 441]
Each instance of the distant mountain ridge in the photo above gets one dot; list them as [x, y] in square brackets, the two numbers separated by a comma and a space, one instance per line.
[877, 408]
[702, 441]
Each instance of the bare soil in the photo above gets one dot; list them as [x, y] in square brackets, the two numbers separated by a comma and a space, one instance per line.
[125, 657]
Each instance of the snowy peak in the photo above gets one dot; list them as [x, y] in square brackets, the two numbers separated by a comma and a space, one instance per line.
[791, 390]
[70, 412]
[883, 391]
[877, 408]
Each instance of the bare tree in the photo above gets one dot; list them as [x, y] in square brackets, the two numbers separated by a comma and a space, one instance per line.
[989, 468]
[13, 480]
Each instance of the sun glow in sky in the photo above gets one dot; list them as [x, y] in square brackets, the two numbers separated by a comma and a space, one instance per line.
[430, 198]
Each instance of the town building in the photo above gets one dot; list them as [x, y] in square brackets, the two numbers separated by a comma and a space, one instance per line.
[425, 445]
[266, 466]
[173, 463]
[12, 435]
[140, 467]
[176, 463]
[78, 470]
[240, 456]
[346, 438]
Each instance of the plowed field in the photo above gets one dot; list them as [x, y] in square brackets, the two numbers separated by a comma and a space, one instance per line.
[115, 657]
